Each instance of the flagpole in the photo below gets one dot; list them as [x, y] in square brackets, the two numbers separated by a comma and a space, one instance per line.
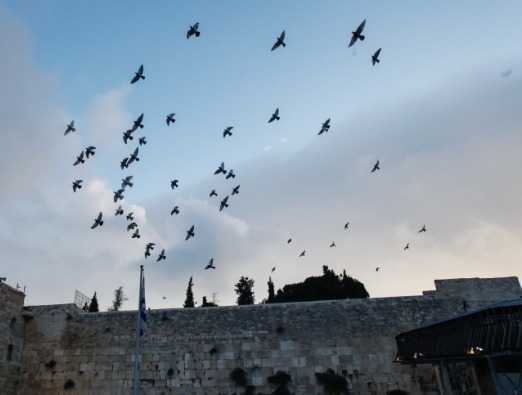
[136, 374]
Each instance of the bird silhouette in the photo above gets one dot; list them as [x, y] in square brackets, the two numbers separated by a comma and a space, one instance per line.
[376, 167]
[223, 203]
[119, 211]
[90, 151]
[235, 191]
[118, 195]
[77, 184]
[273, 270]
[280, 41]
[230, 174]
[133, 157]
[346, 226]
[138, 123]
[174, 184]
[333, 244]
[423, 229]
[357, 34]
[127, 182]
[227, 131]
[170, 118]
[407, 246]
[377, 268]
[212, 193]
[148, 248]
[79, 159]
[98, 221]
[130, 216]
[275, 116]
[289, 241]
[132, 226]
[136, 234]
[190, 233]
[161, 256]
[127, 135]
[221, 169]
[70, 128]
[175, 210]
[325, 127]
[142, 141]
[193, 30]
[210, 264]
[375, 57]
[302, 254]
[138, 75]
[124, 163]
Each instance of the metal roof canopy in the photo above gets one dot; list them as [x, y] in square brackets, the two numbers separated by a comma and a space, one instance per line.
[492, 331]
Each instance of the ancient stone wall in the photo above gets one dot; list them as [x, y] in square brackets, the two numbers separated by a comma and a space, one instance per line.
[193, 351]
[11, 338]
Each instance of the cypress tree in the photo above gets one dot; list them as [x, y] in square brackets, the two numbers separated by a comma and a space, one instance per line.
[189, 300]
[93, 307]
[271, 291]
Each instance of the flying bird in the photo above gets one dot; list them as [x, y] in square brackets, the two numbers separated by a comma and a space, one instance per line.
[138, 123]
[377, 269]
[133, 157]
[275, 116]
[193, 30]
[325, 127]
[190, 233]
[210, 264]
[77, 184]
[227, 131]
[212, 193]
[280, 41]
[90, 151]
[302, 253]
[221, 169]
[235, 191]
[130, 216]
[79, 159]
[136, 234]
[174, 184]
[230, 174]
[70, 128]
[423, 229]
[170, 118]
[124, 163]
[127, 182]
[273, 270]
[138, 75]
[98, 221]
[142, 140]
[148, 248]
[376, 167]
[356, 35]
[407, 246]
[119, 211]
[175, 210]
[127, 135]
[161, 256]
[223, 203]
[506, 73]
[375, 57]
[333, 244]
[346, 226]
[132, 226]
[289, 241]
[118, 195]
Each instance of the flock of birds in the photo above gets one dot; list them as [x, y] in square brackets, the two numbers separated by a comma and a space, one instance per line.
[127, 182]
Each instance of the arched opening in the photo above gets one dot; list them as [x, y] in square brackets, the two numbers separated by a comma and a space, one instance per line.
[10, 352]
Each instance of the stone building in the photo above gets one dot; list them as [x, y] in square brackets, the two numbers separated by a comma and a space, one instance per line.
[59, 349]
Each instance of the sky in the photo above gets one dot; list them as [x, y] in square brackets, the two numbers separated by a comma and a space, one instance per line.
[440, 112]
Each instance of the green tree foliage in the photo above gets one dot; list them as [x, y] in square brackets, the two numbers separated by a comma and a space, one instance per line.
[325, 287]
[245, 291]
[189, 300]
[271, 291]
[93, 306]
[119, 298]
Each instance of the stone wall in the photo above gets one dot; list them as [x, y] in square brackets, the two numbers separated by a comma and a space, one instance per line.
[193, 351]
[11, 338]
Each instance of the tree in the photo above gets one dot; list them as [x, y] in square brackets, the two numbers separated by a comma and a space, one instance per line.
[189, 300]
[85, 307]
[119, 298]
[244, 290]
[93, 307]
[205, 303]
[271, 292]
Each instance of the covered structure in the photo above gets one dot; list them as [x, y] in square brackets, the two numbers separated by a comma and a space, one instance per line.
[476, 353]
